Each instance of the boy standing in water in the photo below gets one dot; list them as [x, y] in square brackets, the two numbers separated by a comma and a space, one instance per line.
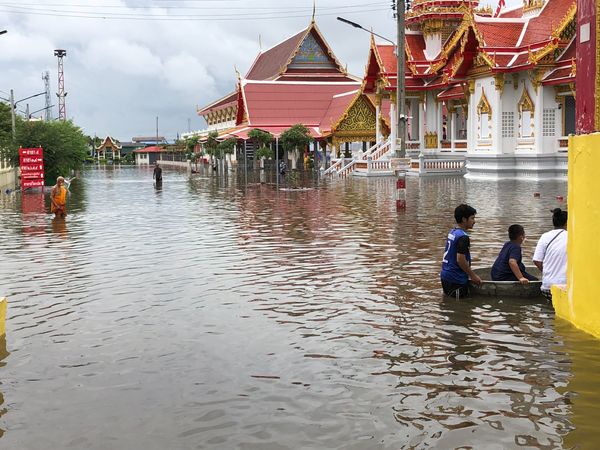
[456, 262]
[509, 265]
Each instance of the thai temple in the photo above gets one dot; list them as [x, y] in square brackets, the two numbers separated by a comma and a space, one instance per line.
[490, 94]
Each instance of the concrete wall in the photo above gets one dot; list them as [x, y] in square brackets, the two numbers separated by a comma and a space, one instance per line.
[7, 178]
[579, 302]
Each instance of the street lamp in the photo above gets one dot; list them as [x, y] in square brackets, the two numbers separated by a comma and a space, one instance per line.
[400, 57]
[13, 106]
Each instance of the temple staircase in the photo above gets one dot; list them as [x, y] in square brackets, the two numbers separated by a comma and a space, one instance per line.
[374, 162]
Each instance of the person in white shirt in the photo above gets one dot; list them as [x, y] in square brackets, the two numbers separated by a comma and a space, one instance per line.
[551, 253]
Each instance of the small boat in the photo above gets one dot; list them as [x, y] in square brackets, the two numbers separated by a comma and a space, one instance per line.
[506, 288]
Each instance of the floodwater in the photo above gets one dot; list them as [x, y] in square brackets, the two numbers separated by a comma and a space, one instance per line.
[219, 313]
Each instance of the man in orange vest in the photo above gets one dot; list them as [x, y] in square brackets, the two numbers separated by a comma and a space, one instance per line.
[58, 197]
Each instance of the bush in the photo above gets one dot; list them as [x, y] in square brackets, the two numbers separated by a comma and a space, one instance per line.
[264, 152]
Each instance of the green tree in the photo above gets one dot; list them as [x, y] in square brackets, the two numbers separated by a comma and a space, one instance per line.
[226, 147]
[7, 146]
[65, 146]
[263, 141]
[212, 143]
[295, 138]
[190, 146]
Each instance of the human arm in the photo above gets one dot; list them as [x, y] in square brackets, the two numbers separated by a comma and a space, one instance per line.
[514, 266]
[539, 265]
[461, 260]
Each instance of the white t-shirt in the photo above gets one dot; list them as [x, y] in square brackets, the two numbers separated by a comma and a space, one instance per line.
[551, 250]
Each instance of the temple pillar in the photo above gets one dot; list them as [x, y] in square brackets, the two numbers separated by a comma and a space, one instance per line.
[538, 143]
[393, 119]
[496, 119]
[588, 78]
[422, 122]
[377, 117]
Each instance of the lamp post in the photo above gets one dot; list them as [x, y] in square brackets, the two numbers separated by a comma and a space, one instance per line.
[13, 106]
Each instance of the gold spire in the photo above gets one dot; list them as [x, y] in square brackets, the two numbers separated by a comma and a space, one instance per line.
[314, 11]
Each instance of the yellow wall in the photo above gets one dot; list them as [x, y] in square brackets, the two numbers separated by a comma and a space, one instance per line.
[2, 316]
[579, 303]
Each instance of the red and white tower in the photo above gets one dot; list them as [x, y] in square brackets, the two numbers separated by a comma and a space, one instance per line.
[61, 94]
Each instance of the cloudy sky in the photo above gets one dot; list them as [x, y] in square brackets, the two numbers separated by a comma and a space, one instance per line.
[129, 61]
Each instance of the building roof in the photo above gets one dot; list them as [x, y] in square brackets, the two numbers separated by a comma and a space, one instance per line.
[109, 142]
[148, 139]
[150, 149]
[281, 103]
[224, 102]
[338, 105]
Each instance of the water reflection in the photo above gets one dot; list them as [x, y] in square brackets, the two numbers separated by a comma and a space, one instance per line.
[216, 313]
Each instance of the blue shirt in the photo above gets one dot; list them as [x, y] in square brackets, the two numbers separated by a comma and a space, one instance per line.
[451, 271]
[501, 271]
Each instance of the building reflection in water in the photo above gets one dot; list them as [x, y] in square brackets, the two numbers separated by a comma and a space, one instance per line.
[3, 355]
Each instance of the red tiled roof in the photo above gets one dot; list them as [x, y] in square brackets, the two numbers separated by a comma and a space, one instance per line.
[338, 106]
[388, 58]
[569, 53]
[416, 46]
[455, 91]
[541, 27]
[285, 104]
[269, 64]
[559, 76]
[228, 100]
[521, 60]
[501, 33]
[514, 13]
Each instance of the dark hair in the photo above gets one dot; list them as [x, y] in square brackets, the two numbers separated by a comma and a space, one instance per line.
[514, 231]
[463, 211]
[559, 217]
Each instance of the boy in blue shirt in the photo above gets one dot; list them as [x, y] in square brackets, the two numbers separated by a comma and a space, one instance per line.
[456, 262]
[508, 265]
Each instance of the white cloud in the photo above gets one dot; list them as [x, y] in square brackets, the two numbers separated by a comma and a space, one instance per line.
[121, 74]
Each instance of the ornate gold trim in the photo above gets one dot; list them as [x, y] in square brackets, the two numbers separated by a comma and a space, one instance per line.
[566, 20]
[499, 82]
[525, 103]
[483, 107]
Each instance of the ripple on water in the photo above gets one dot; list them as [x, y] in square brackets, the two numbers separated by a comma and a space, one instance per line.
[214, 314]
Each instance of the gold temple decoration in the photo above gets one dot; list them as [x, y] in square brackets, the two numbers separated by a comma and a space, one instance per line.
[525, 103]
[515, 77]
[483, 107]
[499, 82]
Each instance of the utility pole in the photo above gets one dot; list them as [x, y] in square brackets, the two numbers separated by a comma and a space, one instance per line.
[401, 81]
[157, 131]
[12, 114]
[61, 94]
[48, 111]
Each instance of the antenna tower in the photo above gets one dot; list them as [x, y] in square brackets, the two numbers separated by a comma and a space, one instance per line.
[48, 110]
[61, 94]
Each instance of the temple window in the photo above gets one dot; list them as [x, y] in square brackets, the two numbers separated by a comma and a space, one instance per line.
[569, 118]
[484, 112]
[526, 115]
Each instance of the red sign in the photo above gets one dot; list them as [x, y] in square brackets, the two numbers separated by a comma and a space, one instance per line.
[31, 183]
[32, 167]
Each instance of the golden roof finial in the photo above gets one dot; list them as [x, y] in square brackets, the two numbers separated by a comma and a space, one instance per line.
[314, 11]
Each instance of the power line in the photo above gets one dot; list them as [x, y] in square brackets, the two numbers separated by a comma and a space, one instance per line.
[173, 17]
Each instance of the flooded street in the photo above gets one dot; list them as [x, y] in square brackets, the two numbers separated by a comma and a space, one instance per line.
[221, 313]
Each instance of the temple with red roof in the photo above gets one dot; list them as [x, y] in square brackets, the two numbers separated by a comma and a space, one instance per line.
[299, 80]
[494, 91]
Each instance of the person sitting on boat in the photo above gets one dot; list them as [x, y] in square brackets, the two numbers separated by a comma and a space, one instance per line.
[509, 265]
[456, 262]
[550, 254]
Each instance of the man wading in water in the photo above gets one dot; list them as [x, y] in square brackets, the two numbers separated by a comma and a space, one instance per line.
[58, 197]
[157, 174]
[456, 263]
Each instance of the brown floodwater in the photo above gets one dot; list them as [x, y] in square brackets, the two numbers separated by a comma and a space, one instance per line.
[219, 313]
